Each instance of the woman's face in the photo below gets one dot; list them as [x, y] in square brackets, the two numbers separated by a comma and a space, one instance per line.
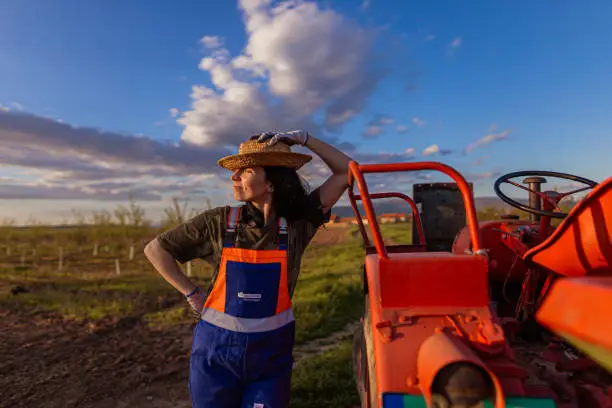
[250, 184]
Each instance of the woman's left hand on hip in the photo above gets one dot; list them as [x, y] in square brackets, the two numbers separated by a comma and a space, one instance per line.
[197, 302]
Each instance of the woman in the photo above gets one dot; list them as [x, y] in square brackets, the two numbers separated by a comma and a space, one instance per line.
[243, 342]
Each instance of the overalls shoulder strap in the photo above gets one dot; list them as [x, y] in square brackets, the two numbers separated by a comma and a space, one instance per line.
[283, 234]
[232, 225]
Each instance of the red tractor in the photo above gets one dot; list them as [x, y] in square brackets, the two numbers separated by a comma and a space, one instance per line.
[506, 313]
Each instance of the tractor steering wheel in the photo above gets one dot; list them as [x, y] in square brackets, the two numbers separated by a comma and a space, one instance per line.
[505, 179]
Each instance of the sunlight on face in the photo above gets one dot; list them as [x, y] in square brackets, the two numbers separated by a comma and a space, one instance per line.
[250, 184]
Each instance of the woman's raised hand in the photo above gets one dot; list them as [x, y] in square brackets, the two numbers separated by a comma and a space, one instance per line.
[291, 137]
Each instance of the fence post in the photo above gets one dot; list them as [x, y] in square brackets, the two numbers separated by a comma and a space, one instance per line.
[117, 266]
[60, 264]
[95, 250]
[131, 253]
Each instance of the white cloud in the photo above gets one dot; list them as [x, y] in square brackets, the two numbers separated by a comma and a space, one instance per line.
[431, 150]
[385, 120]
[60, 155]
[491, 137]
[435, 149]
[376, 125]
[211, 42]
[418, 121]
[4, 108]
[410, 151]
[457, 42]
[372, 131]
[381, 120]
[284, 76]
[401, 129]
[17, 106]
[174, 112]
[365, 4]
[41, 159]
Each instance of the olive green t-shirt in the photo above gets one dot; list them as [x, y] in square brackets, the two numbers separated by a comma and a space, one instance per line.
[202, 236]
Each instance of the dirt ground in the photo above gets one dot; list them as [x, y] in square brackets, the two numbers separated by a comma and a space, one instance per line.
[331, 236]
[51, 362]
[48, 361]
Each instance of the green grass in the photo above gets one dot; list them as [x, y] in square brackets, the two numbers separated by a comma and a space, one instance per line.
[325, 380]
[177, 315]
[76, 297]
[400, 233]
[329, 291]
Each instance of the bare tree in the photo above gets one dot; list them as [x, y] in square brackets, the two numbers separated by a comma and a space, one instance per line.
[78, 217]
[8, 222]
[175, 214]
[136, 215]
[122, 215]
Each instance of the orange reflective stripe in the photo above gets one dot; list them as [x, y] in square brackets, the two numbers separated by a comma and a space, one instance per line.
[254, 256]
[216, 298]
[284, 301]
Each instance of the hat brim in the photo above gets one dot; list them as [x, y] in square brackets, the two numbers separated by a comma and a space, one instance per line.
[281, 159]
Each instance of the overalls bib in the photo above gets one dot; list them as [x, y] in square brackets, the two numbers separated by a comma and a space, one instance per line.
[243, 343]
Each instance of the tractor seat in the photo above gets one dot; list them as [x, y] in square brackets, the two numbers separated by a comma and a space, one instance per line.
[582, 244]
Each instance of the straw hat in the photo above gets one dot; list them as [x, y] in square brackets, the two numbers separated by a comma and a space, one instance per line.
[253, 153]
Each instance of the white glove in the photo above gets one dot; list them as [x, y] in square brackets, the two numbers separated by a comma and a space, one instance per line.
[291, 138]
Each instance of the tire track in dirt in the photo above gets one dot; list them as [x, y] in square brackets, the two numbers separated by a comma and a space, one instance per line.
[330, 236]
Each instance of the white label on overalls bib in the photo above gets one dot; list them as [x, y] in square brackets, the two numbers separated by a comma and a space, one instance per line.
[251, 297]
[258, 405]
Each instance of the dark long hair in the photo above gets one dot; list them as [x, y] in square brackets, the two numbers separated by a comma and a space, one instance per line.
[291, 195]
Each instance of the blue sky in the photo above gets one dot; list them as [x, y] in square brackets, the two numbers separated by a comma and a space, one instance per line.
[538, 70]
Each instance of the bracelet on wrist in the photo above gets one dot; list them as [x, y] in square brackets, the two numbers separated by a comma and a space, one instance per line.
[193, 292]
[307, 137]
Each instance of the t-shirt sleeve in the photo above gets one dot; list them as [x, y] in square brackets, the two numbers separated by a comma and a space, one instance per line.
[308, 227]
[195, 238]
[319, 217]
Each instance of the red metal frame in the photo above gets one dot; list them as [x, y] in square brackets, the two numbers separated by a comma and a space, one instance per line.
[356, 172]
[416, 217]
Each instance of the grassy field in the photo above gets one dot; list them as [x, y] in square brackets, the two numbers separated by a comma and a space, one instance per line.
[140, 312]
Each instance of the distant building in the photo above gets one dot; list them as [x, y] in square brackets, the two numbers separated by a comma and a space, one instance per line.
[353, 220]
[384, 219]
[393, 218]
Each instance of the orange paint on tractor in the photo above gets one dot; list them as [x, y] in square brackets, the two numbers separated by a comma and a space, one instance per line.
[445, 326]
[582, 244]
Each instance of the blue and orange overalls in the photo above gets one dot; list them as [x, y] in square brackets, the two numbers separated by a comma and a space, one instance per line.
[242, 353]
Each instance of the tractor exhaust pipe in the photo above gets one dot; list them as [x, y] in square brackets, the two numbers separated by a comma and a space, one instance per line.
[535, 184]
[451, 375]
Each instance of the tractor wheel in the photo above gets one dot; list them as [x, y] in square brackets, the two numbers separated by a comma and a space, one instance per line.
[370, 366]
[360, 367]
